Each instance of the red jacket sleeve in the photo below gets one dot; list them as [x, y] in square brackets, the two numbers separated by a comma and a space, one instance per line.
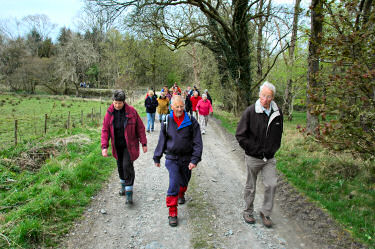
[141, 132]
[105, 132]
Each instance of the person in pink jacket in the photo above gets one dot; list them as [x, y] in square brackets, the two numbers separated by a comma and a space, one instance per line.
[125, 128]
[204, 108]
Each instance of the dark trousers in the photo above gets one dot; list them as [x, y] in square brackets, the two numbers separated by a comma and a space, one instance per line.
[125, 166]
[179, 174]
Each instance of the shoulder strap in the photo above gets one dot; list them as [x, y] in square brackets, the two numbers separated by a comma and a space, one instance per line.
[166, 123]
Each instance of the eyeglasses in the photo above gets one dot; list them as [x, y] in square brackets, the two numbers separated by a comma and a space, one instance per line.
[179, 107]
[266, 96]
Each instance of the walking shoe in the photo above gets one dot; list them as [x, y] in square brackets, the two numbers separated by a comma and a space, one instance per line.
[148, 131]
[181, 200]
[172, 221]
[122, 190]
[267, 222]
[249, 218]
[129, 197]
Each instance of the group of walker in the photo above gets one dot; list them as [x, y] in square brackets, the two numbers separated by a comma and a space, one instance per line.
[258, 133]
[198, 106]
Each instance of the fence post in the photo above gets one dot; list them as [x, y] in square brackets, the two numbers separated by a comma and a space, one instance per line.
[45, 123]
[15, 131]
[100, 114]
[81, 117]
[68, 124]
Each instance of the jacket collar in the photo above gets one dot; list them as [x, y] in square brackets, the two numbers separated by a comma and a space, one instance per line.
[186, 122]
[258, 107]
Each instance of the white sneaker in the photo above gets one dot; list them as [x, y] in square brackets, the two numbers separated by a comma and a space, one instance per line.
[203, 132]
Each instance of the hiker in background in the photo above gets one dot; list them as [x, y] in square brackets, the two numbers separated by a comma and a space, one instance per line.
[188, 106]
[125, 128]
[151, 103]
[204, 108]
[180, 139]
[194, 101]
[208, 96]
[163, 105]
[259, 134]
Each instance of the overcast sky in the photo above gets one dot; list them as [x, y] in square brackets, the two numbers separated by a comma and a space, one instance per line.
[60, 12]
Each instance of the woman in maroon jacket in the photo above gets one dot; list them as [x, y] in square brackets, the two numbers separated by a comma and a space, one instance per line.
[125, 128]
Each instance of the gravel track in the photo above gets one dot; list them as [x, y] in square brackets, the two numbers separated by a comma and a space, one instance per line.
[213, 212]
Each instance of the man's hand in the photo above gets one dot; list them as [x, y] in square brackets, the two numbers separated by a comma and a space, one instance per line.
[105, 152]
[192, 166]
[157, 165]
[144, 149]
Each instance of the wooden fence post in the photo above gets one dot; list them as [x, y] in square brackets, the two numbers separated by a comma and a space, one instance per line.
[45, 123]
[68, 124]
[15, 131]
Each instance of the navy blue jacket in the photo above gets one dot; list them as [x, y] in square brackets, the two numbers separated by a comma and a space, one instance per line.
[183, 141]
[151, 104]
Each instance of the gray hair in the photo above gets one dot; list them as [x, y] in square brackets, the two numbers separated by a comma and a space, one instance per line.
[204, 95]
[118, 95]
[177, 98]
[269, 86]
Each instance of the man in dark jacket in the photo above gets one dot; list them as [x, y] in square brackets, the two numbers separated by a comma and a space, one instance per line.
[259, 134]
[123, 126]
[151, 103]
[180, 139]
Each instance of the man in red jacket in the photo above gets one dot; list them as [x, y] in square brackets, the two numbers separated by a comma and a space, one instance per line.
[125, 128]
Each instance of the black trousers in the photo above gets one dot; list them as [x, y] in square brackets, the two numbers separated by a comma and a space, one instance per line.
[125, 166]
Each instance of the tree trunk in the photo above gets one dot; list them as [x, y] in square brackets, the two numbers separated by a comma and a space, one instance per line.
[196, 66]
[260, 26]
[288, 97]
[240, 57]
[312, 120]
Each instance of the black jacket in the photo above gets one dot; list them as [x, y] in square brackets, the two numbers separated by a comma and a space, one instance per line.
[185, 141]
[188, 104]
[258, 134]
[151, 103]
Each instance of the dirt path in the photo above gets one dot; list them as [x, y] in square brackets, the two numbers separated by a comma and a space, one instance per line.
[211, 218]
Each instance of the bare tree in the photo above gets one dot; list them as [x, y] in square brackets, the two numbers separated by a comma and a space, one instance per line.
[221, 26]
[73, 61]
[40, 23]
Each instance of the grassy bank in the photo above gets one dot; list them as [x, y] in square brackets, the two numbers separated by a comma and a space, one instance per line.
[47, 179]
[342, 185]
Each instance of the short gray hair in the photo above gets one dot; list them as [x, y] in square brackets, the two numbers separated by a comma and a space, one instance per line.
[269, 86]
[204, 95]
[177, 98]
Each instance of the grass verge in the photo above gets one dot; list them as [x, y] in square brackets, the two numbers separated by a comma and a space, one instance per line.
[342, 185]
[39, 205]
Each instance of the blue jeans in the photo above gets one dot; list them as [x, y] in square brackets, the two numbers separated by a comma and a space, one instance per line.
[150, 121]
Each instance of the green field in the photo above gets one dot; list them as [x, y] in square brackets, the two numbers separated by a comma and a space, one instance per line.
[47, 179]
[342, 185]
[30, 111]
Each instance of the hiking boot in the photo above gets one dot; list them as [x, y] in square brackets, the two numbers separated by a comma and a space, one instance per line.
[249, 218]
[172, 221]
[181, 200]
[122, 190]
[129, 197]
[267, 222]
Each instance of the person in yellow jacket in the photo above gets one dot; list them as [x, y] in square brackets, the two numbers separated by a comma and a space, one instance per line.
[163, 107]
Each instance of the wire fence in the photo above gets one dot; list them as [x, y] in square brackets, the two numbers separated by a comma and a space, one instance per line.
[30, 127]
